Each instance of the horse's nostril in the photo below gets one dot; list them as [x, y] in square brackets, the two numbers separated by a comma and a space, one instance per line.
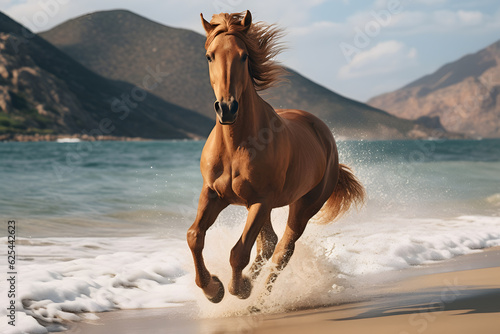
[234, 107]
[217, 106]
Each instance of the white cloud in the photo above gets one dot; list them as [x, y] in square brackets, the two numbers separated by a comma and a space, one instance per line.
[445, 18]
[454, 21]
[383, 58]
[430, 2]
[380, 50]
[470, 17]
[379, 4]
[316, 27]
[412, 22]
[409, 19]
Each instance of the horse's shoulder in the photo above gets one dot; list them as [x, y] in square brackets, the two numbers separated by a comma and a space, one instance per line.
[212, 150]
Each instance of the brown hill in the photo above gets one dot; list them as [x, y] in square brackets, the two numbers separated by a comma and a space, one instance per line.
[124, 46]
[43, 90]
[464, 94]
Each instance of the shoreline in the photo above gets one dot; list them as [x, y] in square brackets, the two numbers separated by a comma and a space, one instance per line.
[460, 295]
[22, 138]
[37, 137]
[52, 137]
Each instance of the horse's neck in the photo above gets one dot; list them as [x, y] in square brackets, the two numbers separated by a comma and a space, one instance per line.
[255, 115]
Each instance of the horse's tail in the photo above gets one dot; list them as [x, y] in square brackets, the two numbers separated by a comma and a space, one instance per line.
[347, 193]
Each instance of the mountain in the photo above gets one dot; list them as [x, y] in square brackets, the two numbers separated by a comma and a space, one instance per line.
[121, 45]
[44, 91]
[464, 94]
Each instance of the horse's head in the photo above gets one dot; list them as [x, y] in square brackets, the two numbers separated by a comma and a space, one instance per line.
[227, 56]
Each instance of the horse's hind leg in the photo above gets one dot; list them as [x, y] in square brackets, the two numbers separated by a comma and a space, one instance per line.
[209, 207]
[300, 213]
[266, 243]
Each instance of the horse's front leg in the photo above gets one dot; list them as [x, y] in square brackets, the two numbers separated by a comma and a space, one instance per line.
[209, 207]
[258, 215]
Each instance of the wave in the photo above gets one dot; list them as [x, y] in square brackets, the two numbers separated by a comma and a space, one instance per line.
[494, 200]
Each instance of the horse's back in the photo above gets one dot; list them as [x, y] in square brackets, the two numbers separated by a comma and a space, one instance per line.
[308, 127]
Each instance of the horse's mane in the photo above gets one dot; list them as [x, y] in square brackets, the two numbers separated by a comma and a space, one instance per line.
[262, 44]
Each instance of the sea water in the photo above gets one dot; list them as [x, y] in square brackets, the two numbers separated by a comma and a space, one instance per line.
[101, 225]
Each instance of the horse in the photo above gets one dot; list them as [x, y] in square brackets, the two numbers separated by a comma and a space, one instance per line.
[261, 158]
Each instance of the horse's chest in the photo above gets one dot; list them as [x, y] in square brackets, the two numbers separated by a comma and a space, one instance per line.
[239, 178]
[234, 186]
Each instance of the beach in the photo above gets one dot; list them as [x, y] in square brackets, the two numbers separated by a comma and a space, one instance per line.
[461, 295]
[101, 242]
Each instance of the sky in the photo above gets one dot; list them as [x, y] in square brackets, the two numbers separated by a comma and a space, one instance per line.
[356, 48]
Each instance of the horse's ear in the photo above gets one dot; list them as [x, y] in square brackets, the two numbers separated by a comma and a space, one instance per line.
[247, 20]
[208, 27]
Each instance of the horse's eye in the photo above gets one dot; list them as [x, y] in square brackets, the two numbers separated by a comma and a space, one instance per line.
[209, 58]
[244, 58]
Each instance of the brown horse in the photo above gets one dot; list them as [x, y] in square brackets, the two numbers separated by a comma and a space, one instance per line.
[261, 158]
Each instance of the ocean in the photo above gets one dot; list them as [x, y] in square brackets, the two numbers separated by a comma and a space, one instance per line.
[101, 226]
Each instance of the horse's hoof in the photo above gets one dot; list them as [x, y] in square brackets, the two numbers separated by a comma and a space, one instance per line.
[245, 289]
[216, 285]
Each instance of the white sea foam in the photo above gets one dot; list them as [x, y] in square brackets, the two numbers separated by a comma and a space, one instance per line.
[65, 278]
[68, 140]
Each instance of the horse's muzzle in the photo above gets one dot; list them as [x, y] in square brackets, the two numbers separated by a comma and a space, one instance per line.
[227, 112]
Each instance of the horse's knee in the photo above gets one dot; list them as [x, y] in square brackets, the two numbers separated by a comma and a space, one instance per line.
[195, 239]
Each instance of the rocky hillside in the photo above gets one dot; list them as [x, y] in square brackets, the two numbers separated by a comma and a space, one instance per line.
[464, 94]
[44, 91]
[121, 45]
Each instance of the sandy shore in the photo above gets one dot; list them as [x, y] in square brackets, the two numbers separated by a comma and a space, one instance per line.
[461, 295]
